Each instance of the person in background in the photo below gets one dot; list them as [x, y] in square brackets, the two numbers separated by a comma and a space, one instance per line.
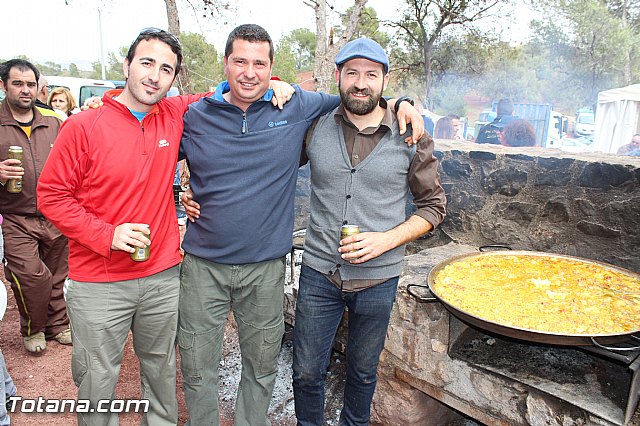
[444, 128]
[632, 148]
[448, 127]
[489, 132]
[428, 122]
[43, 93]
[42, 98]
[361, 174]
[456, 123]
[518, 132]
[35, 250]
[61, 99]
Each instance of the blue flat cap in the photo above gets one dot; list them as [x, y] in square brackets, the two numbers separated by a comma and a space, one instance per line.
[363, 48]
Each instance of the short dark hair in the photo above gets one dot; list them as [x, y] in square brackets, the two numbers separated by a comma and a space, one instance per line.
[519, 132]
[249, 32]
[505, 107]
[157, 34]
[21, 64]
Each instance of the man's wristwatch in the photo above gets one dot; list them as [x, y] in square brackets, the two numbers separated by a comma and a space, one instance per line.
[400, 100]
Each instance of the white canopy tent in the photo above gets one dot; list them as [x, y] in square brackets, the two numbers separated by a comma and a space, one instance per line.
[617, 118]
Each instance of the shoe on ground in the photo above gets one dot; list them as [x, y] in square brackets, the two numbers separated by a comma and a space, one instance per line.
[64, 337]
[35, 343]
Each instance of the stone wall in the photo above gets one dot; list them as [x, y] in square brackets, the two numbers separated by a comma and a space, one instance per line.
[585, 205]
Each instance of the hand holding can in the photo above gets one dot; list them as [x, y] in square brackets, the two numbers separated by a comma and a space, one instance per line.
[142, 253]
[348, 230]
[15, 185]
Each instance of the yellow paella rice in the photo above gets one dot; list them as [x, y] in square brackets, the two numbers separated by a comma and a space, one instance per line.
[542, 293]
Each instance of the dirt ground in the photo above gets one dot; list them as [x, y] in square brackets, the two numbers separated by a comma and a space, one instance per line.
[48, 375]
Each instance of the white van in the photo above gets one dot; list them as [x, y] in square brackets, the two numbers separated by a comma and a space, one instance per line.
[81, 88]
[585, 125]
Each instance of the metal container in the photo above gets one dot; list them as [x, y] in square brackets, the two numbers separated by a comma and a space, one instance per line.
[141, 253]
[515, 331]
[348, 230]
[15, 185]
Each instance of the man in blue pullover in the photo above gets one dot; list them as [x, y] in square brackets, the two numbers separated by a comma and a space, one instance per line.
[243, 155]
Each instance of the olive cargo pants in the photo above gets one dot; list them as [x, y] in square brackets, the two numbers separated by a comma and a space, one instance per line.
[254, 292]
[102, 314]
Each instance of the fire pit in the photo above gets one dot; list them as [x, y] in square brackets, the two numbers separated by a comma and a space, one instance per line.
[601, 380]
[598, 381]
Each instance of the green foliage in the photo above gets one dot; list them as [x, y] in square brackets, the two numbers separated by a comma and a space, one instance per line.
[50, 68]
[113, 68]
[284, 61]
[429, 38]
[302, 44]
[590, 47]
[73, 70]
[369, 26]
[205, 66]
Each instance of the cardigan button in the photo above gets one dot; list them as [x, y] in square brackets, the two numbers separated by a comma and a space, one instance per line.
[353, 170]
[345, 222]
[348, 197]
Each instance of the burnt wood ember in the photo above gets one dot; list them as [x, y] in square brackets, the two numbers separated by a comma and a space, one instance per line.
[594, 382]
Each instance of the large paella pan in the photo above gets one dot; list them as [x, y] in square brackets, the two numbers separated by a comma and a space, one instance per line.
[539, 297]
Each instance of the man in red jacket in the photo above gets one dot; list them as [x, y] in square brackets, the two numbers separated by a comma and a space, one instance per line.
[36, 252]
[108, 187]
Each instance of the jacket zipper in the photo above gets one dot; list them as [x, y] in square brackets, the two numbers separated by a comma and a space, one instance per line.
[35, 169]
[144, 140]
[245, 126]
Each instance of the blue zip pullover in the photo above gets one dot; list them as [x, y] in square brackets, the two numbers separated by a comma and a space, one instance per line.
[243, 173]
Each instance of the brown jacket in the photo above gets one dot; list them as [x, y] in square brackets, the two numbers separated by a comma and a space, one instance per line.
[35, 151]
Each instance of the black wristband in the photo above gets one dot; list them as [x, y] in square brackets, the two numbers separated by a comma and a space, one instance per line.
[400, 100]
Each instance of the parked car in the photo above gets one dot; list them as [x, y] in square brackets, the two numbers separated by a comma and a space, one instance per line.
[585, 124]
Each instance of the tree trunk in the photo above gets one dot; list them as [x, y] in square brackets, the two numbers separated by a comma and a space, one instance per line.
[327, 47]
[183, 81]
[428, 74]
[627, 57]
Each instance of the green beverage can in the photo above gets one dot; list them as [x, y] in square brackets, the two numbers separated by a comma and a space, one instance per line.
[141, 253]
[15, 185]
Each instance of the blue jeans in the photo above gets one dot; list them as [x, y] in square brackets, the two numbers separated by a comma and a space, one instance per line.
[319, 308]
[7, 389]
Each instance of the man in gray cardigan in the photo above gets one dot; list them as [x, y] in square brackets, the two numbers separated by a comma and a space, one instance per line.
[361, 174]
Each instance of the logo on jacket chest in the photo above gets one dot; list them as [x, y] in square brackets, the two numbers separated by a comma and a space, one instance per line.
[277, 123]
[162, 143]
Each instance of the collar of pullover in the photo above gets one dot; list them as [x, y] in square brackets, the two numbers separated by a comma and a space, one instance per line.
[223, 88]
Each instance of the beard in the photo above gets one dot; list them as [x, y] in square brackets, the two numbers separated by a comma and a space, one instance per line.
[356, 106]
[146, 97]
[21, 105]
